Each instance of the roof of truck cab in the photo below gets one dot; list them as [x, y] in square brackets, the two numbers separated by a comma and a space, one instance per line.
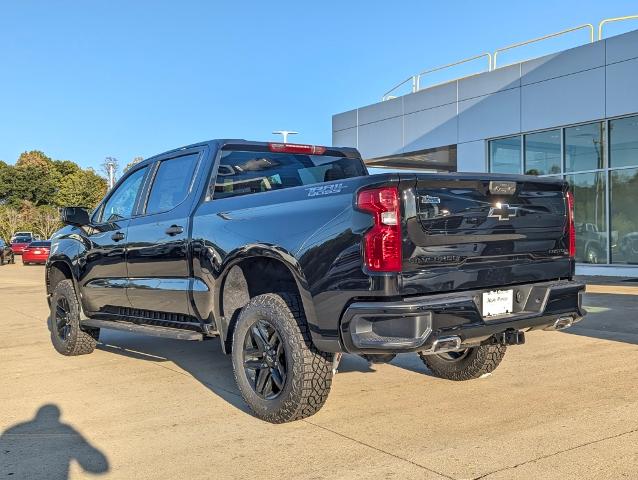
[219, 142]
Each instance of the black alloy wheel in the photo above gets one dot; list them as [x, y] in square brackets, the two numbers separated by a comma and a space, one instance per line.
[67, 335]
[264, 360]
[63, 318]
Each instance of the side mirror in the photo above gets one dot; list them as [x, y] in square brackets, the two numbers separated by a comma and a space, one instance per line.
[76, 216]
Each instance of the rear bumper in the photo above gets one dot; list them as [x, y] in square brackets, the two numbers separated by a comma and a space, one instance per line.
[26, 257]
[415, 324]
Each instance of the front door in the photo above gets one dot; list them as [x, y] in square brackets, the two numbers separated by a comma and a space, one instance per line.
[103, 273]
[158, 240]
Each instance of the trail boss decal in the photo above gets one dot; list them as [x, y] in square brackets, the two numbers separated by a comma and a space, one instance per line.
[326, 189]
[430, 199]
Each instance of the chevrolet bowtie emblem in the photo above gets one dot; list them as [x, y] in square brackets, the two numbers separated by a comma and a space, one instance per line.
[503, 211]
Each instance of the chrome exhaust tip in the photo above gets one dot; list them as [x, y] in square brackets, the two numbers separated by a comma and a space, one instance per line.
[561, 323]
[446, 344]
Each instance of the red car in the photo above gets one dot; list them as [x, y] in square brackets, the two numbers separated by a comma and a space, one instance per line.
[19, 244]
[36, 252]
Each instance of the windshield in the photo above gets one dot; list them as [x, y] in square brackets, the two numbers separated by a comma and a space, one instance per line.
[22, 240]
[241, 173]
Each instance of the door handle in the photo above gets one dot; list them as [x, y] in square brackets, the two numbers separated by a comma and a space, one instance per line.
[174, 230]
[117, 236]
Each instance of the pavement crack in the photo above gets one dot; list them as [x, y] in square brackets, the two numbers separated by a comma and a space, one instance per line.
[380, 450]
[549, 455]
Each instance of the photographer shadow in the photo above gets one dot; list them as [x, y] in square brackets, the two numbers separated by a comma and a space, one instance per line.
[44, 447]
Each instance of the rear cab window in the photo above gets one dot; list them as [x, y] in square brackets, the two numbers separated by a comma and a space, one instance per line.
[244, 172]
[40, 244]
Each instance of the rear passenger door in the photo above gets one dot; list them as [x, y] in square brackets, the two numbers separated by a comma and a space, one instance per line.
[158, 239]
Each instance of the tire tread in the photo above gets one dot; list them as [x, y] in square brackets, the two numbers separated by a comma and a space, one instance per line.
[482, 360]
[311, 369]
[80, 341]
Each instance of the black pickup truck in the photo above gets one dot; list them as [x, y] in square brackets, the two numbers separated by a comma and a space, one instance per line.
[292, 254]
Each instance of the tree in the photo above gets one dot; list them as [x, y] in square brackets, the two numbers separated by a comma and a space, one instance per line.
[33, 181]
[84, 188]
[10, 221]
[132, 163]
[110, 166]
[6, 172]
[46, 221]
[65, 167]
[34, 157]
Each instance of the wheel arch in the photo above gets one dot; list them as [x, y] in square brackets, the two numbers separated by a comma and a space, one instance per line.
[58, 268]
[254, 272]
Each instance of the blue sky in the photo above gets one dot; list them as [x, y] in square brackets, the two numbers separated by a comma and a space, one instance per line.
[85, 80]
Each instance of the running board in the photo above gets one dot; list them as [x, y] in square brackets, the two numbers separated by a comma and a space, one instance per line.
[163, 332]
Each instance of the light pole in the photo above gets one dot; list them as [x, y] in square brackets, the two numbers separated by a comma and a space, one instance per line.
[110, 164]
[284, 133]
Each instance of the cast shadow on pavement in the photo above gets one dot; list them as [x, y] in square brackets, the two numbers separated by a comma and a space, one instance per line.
[202, 360]
[609, 317]
[44, 447]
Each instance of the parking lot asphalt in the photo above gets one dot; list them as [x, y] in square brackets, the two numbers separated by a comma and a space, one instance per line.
[565, 405]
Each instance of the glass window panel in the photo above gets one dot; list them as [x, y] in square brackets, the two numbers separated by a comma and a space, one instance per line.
[121, 202]
[242, 173]
[172, 183]
[589, 216]
[542, 153]
[623, 138]
[505, 155]
[584, 147]
[624, 219]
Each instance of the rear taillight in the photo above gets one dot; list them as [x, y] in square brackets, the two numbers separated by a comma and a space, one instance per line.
[571, 228]
[382, 243]
[296, 148]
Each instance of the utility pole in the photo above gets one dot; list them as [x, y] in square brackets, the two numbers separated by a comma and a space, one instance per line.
[284, 133]
[110, 168]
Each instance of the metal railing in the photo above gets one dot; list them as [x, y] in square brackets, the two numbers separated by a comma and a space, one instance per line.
[546, 37]
[610, 20]
[415, 80]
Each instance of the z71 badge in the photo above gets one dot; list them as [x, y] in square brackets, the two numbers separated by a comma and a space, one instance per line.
[326, 189]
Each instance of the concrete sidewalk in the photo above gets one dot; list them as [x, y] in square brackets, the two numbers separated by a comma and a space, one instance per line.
[565, 405]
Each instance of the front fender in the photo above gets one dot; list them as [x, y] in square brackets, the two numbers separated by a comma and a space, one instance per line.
[66, 249]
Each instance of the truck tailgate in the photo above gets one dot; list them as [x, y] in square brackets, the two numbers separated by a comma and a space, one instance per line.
[467, 231]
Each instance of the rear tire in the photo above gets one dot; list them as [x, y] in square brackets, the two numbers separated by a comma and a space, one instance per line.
[67, 336]
[280, 374]
[469, 364]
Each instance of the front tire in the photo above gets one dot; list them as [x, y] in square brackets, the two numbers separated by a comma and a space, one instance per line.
[468, 364]
[67, 336]
[280, 374]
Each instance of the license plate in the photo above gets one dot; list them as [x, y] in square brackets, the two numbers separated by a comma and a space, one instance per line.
[497, 302]
[37, 252]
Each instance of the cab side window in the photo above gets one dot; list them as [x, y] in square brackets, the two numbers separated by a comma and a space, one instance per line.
[121, 203]
[172, 183]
